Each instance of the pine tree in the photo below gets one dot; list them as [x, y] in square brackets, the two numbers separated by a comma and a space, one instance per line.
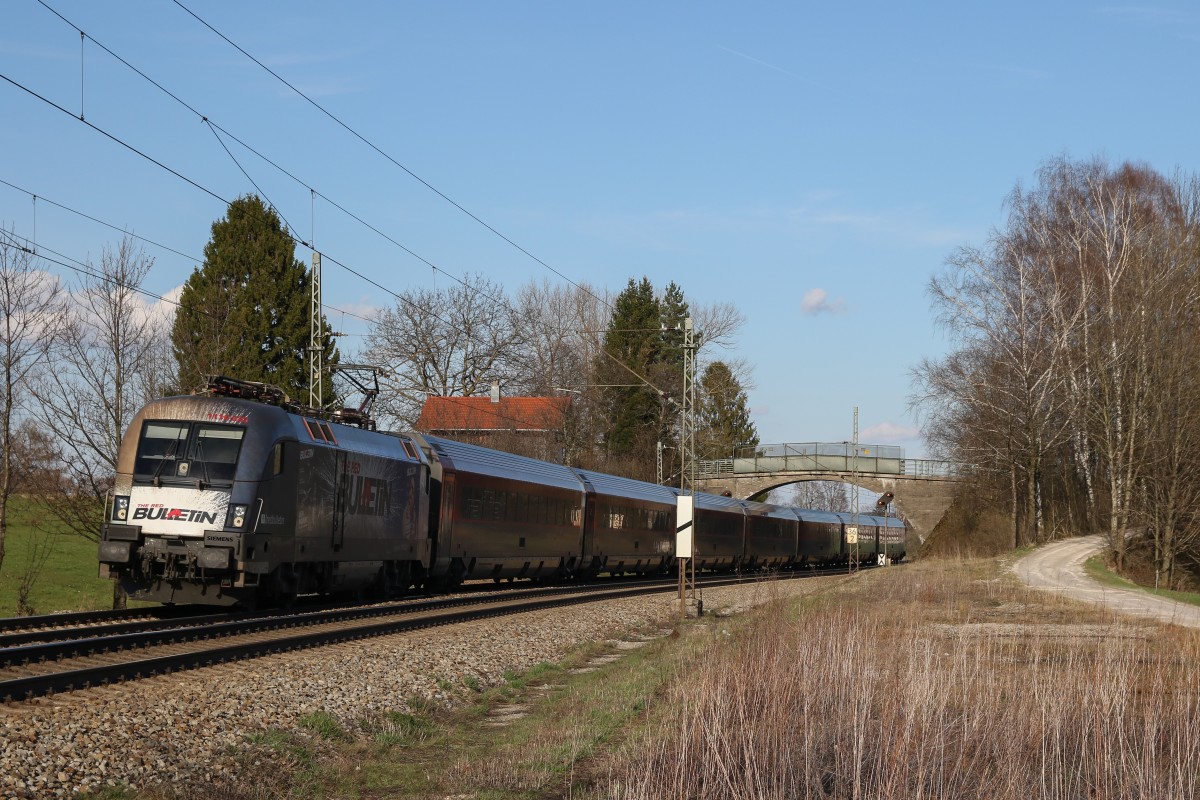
[245, 312]
[723, 420]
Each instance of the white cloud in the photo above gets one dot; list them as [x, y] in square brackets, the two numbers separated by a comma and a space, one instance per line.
[352, 314]
[816, 301]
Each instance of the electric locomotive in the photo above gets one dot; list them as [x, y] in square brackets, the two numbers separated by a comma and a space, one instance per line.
[234, 496]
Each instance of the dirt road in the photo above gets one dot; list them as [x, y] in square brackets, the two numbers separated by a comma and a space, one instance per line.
[1058, 567]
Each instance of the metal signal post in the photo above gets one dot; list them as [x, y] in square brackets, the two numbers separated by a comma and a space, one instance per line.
[852, 530]
[689, 594]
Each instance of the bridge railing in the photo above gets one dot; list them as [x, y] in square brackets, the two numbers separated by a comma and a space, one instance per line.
[826, 457]
[932, 468]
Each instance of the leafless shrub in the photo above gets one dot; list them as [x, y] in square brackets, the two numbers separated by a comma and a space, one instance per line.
[857, 702]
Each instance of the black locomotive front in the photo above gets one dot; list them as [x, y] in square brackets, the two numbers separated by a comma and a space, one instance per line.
[222, 500]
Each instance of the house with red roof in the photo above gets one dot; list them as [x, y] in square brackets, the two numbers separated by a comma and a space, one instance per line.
[528, 426]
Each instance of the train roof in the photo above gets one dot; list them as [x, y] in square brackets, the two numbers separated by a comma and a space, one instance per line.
[606, 484]
[757, 509]
[716, 501]
[463, 457]
[869, 519]
[813, 515]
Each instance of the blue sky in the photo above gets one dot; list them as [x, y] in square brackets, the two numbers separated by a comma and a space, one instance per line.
[813, 164]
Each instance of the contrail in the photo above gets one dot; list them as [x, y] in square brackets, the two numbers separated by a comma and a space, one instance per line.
[759, 61]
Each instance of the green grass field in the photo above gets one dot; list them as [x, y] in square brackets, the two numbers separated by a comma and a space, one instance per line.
[68, 578]
[1098, 569]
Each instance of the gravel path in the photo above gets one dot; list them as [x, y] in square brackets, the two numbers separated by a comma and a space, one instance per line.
[1058, 567]
[190, 728]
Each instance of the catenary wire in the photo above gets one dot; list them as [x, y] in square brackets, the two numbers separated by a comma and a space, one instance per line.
[216, 127]
[132, 235]
[384, 154]
[38, 250]
[213, 194]
[649, 384]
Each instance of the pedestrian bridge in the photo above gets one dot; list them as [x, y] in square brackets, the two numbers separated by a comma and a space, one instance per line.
[923, 488]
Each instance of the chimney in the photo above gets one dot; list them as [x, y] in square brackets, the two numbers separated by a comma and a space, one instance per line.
[495, 391]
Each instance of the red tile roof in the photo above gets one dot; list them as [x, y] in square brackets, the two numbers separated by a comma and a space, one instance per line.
[481, 414]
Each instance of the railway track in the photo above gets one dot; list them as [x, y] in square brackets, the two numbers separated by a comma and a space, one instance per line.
[51, 660]
[83, 619]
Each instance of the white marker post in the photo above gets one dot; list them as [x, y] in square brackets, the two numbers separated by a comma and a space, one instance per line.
[684, 537]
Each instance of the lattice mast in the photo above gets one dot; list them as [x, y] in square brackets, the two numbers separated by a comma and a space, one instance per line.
[316, 339]
[689, 593]
[687, 428]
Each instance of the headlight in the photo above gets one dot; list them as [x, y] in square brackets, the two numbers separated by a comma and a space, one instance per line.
[237, 516]
[120, 510]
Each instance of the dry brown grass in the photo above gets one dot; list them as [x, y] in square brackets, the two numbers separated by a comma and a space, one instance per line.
[899, 691]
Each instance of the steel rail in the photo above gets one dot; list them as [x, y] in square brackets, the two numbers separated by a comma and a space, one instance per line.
[28, 687]
[70, 619]
[42, 645]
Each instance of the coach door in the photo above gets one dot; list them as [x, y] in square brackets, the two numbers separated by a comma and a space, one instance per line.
[339, 500]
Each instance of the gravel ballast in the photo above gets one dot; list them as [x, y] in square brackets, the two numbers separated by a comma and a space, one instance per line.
[194, 727]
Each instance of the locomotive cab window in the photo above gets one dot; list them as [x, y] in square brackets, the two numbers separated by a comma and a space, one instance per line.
[215, 451]
[161, 442]
[186, 451]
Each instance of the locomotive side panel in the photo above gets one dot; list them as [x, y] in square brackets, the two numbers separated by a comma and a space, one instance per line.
[316, 468]
[272, 539]
[361, 509]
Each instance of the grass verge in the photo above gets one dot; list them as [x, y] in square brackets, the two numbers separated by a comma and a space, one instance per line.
[65, 565]
[1097, 568]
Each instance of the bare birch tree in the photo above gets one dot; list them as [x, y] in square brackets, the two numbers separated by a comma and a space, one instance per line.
[107, 369]
[1073, 374]
[994, 302]
[443, 342]
[109, 362]
[30, 312]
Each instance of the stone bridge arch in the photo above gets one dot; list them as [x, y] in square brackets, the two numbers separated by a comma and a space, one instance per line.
[922, 501]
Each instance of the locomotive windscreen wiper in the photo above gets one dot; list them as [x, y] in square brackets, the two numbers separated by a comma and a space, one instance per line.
[203, 461]
[168, 455]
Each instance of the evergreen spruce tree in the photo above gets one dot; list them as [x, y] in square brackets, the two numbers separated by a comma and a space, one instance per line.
[645, 334]
[723, 420]
[633, 340]
[245, 312]
[667, 373]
